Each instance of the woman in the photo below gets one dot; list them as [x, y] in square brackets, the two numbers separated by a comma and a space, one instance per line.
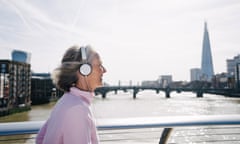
[71, 120]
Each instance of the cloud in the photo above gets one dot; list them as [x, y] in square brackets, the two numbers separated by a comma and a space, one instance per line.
[148, 37]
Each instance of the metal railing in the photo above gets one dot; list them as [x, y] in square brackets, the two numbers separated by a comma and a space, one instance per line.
[168, 123]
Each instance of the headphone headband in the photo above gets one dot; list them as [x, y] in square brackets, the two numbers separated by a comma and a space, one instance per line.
[85, 68]
[84, 53]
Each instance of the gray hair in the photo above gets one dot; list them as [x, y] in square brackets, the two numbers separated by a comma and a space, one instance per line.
[65, 76]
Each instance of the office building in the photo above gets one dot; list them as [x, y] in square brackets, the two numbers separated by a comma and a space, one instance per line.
[231, 64]
[165, 80]
[233, 68]
[21, 56]
[15, 84]
[207, 63]
[196, 74]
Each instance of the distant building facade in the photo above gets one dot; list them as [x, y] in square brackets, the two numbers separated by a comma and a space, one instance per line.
[220, 80]
[165, 80]
[15, 85]
[150, 83]
[21, 56]
[231, 64]
[42, 89]
[233, 68]
[196, 74]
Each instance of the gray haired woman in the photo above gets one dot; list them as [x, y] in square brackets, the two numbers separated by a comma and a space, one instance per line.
[71, 120]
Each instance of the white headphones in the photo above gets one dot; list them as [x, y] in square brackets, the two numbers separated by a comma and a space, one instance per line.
[85, 68]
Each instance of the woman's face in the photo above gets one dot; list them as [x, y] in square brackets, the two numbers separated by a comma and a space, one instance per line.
[94, 79]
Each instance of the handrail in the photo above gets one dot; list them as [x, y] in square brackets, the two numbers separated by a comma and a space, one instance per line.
[32, 127]
[15, 128]
[29, 127]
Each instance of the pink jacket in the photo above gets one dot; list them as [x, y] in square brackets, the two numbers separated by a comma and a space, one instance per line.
[71, 121]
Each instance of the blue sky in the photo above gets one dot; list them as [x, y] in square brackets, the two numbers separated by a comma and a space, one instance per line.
[137, 39]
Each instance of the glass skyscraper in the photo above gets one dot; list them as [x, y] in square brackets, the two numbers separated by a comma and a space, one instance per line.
[207, 64]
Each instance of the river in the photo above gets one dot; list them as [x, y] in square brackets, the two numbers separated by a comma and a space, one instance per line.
[149, 104]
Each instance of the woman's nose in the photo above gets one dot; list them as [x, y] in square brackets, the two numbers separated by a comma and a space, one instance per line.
[103, 69]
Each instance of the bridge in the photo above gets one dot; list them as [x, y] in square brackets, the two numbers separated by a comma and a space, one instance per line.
[199, 91]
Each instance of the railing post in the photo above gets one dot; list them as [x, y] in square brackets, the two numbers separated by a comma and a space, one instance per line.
[165, 135]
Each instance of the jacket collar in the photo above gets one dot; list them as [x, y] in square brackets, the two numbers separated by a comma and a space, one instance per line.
[85, 95]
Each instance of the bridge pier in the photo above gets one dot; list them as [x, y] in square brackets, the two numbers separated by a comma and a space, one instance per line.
[135, 91]
[199, 94]
[104, 94]
[167, 94]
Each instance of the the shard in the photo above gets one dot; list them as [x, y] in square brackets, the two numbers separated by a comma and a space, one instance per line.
[207, 64]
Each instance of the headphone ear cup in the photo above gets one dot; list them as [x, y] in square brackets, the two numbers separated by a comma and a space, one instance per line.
[85, 69]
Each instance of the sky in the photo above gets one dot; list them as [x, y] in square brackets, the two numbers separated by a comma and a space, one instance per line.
[137, 40]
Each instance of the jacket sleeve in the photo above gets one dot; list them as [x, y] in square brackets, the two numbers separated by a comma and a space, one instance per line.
[77, 126]
[41, 133]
